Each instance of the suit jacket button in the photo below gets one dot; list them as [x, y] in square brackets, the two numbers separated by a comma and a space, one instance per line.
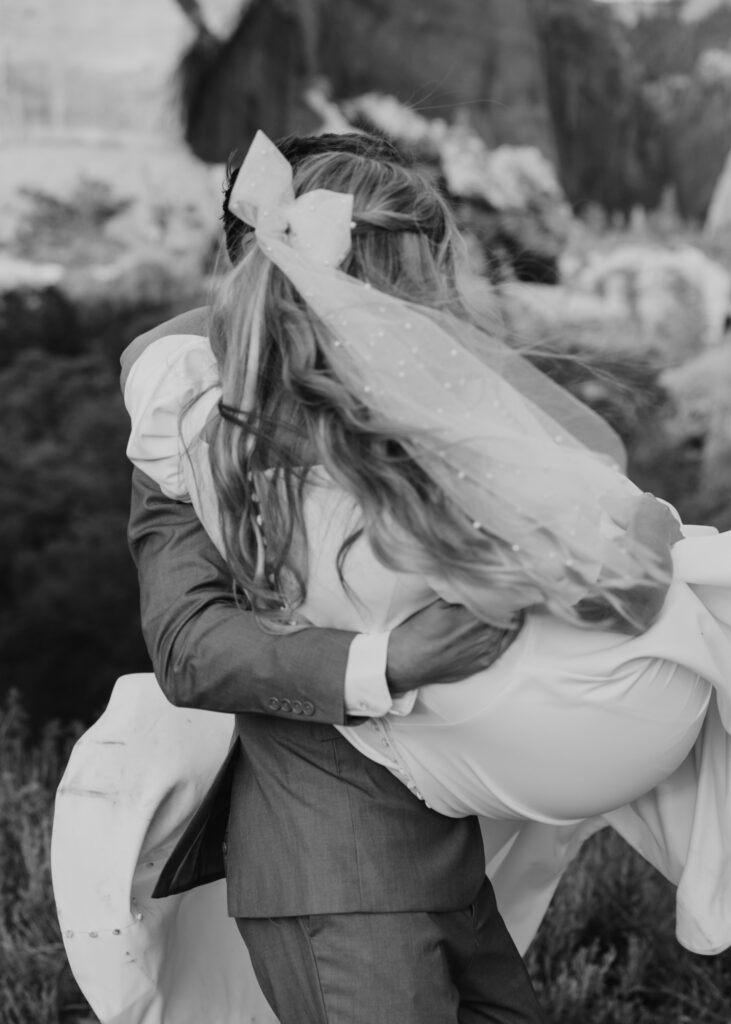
[308, 707]
[285, 705]
[274, 704]
[297, 707]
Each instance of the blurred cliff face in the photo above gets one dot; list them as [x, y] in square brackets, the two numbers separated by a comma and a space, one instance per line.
[479, 58]
[81, 64]
[622, 108]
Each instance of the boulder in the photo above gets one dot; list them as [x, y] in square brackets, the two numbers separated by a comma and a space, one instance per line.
[677, 299]
[701, 394]
[508, 199]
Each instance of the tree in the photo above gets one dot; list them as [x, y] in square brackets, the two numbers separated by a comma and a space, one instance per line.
[68, 591]
[610, 148]
[479, 57]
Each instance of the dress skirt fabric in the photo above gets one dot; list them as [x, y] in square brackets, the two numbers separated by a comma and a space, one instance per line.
[138, 775]
[131, 786]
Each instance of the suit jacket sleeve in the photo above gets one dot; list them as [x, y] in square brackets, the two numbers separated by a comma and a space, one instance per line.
[206, 651]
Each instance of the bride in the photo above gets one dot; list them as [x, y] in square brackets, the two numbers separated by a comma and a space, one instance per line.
[354, 446]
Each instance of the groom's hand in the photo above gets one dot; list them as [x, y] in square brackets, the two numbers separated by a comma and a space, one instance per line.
[443, 643]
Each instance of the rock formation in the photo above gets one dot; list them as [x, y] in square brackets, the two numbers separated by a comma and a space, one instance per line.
[479, 58]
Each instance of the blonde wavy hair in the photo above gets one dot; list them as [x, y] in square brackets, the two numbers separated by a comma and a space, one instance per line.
[404, 243]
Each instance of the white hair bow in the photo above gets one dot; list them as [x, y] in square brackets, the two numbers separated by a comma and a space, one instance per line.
[316, 224]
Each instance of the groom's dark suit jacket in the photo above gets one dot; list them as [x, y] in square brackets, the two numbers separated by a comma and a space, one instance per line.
[313, 826]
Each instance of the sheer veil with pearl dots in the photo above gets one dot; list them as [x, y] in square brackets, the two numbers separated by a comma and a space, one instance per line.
[526, 462]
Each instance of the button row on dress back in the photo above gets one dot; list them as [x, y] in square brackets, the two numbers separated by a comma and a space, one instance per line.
[271, 578]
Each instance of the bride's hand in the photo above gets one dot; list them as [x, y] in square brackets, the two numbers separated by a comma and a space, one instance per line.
[652, 524]
[647, 519]
[442, 643]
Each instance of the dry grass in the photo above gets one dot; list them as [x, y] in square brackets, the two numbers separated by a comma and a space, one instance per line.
[606, 953]
[31, 951]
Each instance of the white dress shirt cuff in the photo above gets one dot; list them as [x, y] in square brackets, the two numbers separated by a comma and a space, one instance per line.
[366, 690]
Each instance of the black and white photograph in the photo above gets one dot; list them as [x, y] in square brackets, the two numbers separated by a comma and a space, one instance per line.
[365, 512]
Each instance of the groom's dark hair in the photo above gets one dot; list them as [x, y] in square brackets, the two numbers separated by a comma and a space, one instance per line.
[296, 148]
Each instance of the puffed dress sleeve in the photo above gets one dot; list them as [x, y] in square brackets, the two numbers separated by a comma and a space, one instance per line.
[171, 391]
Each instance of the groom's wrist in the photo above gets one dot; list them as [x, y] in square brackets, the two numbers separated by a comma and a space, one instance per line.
[367, 694]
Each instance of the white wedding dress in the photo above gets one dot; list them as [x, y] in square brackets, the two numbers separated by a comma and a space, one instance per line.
[570, 731]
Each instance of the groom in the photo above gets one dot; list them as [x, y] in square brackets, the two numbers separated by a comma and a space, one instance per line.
[358, 903]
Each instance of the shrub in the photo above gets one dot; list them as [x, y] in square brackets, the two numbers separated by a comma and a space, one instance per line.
[605, 954]
[69, 606]
[31, 950]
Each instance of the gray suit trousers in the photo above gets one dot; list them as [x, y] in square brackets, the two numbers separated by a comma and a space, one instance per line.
[453, 967]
